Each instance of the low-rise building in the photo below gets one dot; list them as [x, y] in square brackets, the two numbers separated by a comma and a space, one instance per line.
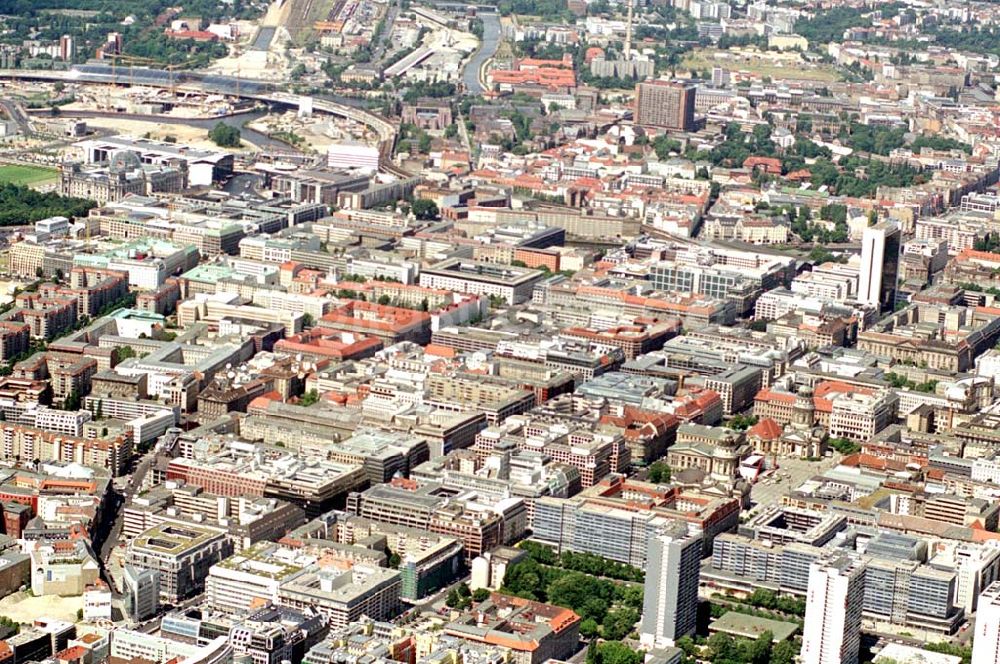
[534, 632]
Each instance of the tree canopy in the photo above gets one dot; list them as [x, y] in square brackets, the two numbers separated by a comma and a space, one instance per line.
[424, 209]
[22, 205]
[828, 26]
[225, 136]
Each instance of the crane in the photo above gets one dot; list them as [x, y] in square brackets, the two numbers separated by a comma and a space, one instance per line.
[132, 60]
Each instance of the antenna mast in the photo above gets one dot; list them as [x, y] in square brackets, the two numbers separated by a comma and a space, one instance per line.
[628, 32]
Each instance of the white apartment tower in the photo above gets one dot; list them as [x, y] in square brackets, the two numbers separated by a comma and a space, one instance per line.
[986, 643]
[834, 599]
[670, 603]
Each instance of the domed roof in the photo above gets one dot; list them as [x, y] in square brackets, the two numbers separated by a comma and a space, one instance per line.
[689, 476]
[124, 161]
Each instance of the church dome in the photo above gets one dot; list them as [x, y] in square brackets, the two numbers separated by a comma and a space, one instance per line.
[124, 161]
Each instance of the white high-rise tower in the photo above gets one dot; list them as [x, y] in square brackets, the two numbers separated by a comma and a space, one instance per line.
[836, 593]
[986, 642]
[670, 600]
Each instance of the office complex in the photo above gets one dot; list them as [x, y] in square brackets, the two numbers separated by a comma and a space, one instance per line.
[182, 554]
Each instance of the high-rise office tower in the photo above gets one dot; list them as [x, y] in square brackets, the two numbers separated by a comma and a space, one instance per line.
[667, 104]
[834, 600]
[879, 265]
[67, 48]
[986, 642]
[670, 603]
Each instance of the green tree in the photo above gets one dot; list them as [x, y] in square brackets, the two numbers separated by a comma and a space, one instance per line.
[760, 648]
[618, 623]
[589, 628]
[225, 136]
[459, 597]
[845, 446]
[820, 254]
[828, 26]
[21, 205]
[873, 138]
[11, 627]
[659, 472]
[524, 580]
[309, 398]
[763, 598]
[951, 649]
[424, 209]
[580, 592]
[784, 653]
[616, 652]
[72, 401]
[663, 145]
[741, 422]
[424, 143]
[722, 647]
[690, 648]
[935, 142]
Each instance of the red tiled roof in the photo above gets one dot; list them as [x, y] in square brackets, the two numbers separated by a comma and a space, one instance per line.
[72, 653]
[766, 429]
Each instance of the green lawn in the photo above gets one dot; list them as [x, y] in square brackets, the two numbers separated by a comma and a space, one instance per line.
[26, 175]
[702, 59]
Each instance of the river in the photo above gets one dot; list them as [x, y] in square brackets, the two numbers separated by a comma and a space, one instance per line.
[487, 49]
[239, 121]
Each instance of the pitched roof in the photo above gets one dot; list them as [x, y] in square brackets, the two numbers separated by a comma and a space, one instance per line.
[766, 429]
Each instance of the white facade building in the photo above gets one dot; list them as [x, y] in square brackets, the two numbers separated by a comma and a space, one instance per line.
[834, 599]
[255, 574]
[97, 602]
[352, 155]
[670, 603]
[986, 642]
